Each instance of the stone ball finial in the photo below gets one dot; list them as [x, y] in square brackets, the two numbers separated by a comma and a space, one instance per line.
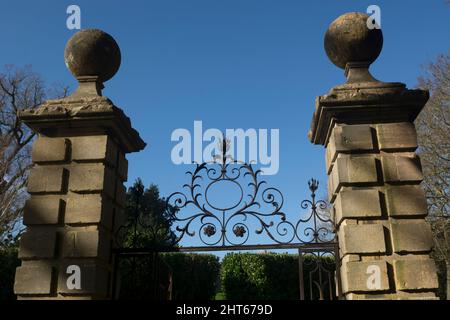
[92, 53]
[348, 39]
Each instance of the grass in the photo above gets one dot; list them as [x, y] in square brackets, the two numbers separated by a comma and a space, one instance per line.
[220, 296]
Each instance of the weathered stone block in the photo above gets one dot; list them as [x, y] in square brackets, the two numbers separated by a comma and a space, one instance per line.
[85, 244]
[45, 179]
[83, 208]
[398, 168]
[415, 274]
[49, 149]
[353, 170]
[330, 189]
[370, 296]
[365, 238]
[33, 279]
[81, 244]
[37, 244]
[94, 148]
[357, 203]
[348, 139]
[88, 209]
[406, 201]
[122, 168]
[400, 295]
[351, 258]
[111, 181]
[367, 276]
[404, 295]
[42, 210]
[330, 152]
[93, 280]
[121, 195]
[88, 178]
[353, 137]
[411, 236]
[395, 136]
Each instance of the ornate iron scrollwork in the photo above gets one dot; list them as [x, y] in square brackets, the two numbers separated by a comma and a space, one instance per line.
[225, 224]
[257, 209]
[321, 229]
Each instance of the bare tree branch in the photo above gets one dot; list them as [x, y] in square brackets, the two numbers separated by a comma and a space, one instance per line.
[20, 88]
[434, 138]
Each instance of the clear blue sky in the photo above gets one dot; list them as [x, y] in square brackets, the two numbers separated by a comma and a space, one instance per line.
[232, 64]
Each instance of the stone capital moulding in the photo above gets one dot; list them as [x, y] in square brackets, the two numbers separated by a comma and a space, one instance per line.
[82, 116]
[353, 104]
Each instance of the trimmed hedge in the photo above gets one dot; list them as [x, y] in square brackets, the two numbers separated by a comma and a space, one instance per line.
[195, 276]
[8, 264]
[269, 276]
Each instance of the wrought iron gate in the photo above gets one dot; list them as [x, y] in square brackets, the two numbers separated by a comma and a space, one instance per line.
[256, 215]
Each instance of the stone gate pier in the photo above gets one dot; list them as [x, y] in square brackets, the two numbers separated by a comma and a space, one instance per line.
[76, 184]
[379, 208]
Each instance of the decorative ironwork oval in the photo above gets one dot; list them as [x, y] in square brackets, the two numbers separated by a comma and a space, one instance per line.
[210, 189]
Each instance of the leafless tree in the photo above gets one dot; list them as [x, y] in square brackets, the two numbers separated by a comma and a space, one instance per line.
[20, 88]
[433, 127]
